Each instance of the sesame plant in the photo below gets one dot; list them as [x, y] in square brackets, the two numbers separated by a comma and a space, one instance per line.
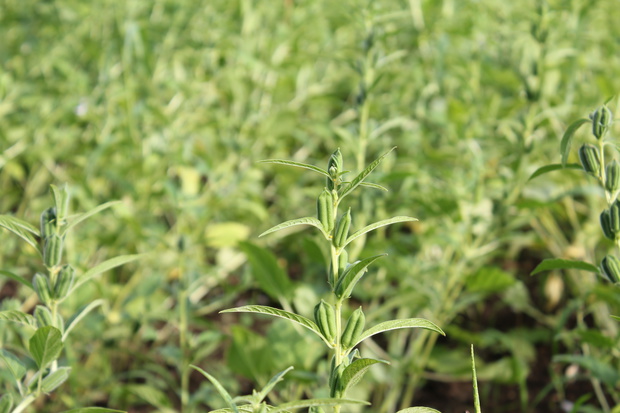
[32, 354]
[342, 335]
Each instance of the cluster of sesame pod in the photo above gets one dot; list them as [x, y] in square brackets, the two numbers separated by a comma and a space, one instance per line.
[601, 120]
[611, 268]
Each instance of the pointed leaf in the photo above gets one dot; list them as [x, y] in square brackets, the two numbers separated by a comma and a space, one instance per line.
[297, 164]
[20, 228]
[76, 219]
[261, 309]
[561, 264]
[93, 410]
[362, 175]
[376, 225]
[265, 269]
[553, 167]
[352, 275]
[103, 267]
[302, 404]
[271, 384]
[18, 317]
[567, 139]
[55, 379]
[299, 221]
[418, 410]
[396, 324]
[225, 395]
[72, 322]
[46, 345]
[374, 186]
[15, 366]
[356, 370]
[17, 278]
[475, 381]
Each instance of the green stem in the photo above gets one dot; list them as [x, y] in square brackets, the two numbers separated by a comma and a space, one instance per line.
[27, 401]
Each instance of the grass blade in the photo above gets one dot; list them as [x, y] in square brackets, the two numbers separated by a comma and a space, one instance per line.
[475, 381]
[225, 395]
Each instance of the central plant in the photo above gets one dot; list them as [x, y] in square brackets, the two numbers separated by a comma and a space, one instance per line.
[341, 336]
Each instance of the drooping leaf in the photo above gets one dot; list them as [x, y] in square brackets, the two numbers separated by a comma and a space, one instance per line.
[55, 379]
[396, 324]
[20, 228]
[76, 219]
[18, 317]
[103, 267]
[553, 167]
[346, 190]
[561, 264]
[15, 366]
[72, 322]
[418, 410]
[271, 384]
[270, 276]
[46, 345]
[376, 225]
[302, 404]
[93, 410]
[567, 139]
[297, 164]
[17, 278]
[299, 221]
[221, 390]
[356, 370]
[352, 275]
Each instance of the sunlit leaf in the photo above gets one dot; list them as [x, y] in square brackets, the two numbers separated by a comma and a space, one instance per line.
[356, 370]
[299, 221]
[397, 324]
[350, 277]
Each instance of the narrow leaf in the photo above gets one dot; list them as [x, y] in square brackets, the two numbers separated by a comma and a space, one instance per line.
[225, 395]
[376, 225]
[418, 410]
[15, 366]
[76, 219]
[475, 381]
[46, 345]
[93, 410]
[261, 309]
[350, 277]
[567, 139]
[561, 264]
[103, 267]
[553, 167]
[72, 322]
[362, 175]
[265, 269]
[271, 384]
[20, 228]
[396, 324]
[297, 164]
[302, 404]
[356, 370]
[374, 186]
[18, 317]
[55, 379]
[17, 278]
[615, 317]
[299, 221]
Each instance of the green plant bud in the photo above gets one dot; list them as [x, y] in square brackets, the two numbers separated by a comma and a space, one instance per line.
[325, 318]
[334, 168]
[43, 315]
[612, 176]
[589, 157]
[64, 282]
[6, 403]
[611, 268]
[325, 210]
[52, 251]
[354, 329]
[49, 222]
[601, 120]
[342, 230]
[606, 225]
[42, 288]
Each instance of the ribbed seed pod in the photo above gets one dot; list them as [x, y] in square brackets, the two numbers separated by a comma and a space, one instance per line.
[601, 120]
[48, 222]
[325, 210]
[614, 218]
[64, 282]
[354, 329]
[611, 268]
[612, 176]
[342, 230]
[335, 382]
[325, 318]
[606, 225]
[52, 251]
[42, 288]
[6, 403]
[590, 161]
[43, 315]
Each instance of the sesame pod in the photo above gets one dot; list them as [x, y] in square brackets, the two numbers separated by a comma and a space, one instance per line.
[589, 157]
[601, 120]
[342, 230]
[353, 329]
[64, 282]
[52, 251]
[335, 382]
[325, 318]
[48, 222]
[6, 403]
[611, 268]
[42, 288]
[43, 315]
[606, 225]
[612, 176]
[325, 210]
[614, 218]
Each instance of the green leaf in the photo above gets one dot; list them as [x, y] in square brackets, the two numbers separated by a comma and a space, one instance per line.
[374, 186]
[55, 379]
[418, 410]
[46, 345]
[93, 410]
[17, 278]
[356, 370]
[615, 317]
[567, 139]
[297, 164]
[271, 384]
[103, 267]
[599, 369]
[72, 322]
[350, 277]
[20, 228]
[76, 219]
[302, 404]
[362, 175]
[270, 276]
[261, 309]
[376, 225]
[6, 403]
[396, 324]
[475, 381]
[225, 395]
[561, 264]
[553, 167]
[15, 366]
[18, 317]
[299, 221]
